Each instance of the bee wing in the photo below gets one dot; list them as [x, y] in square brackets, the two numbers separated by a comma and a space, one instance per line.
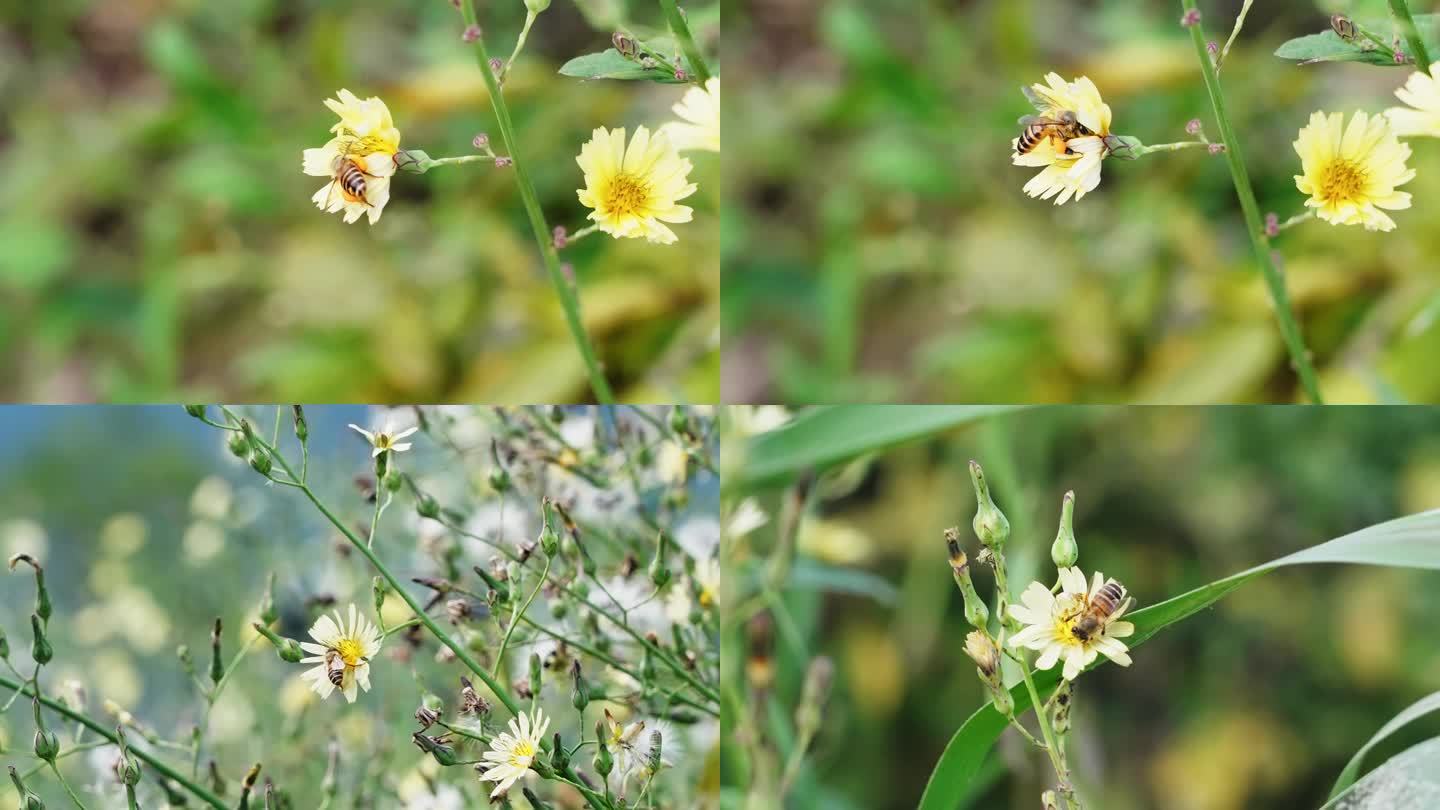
[1040, 101]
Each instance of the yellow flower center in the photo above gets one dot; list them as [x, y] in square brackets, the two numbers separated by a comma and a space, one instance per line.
[352, 144]
[627, 195]
[522, 754]
[1068, 610]
[1341, 180]
[383, 441]
[350, 651]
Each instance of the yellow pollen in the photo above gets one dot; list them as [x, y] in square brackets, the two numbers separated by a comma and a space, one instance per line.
[350, 651]
[627, 195]
[383, 441]
[352, 144]
[522, 754]
[1341, 180]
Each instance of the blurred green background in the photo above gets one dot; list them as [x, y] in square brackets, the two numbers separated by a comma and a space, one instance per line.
[878, 246]
[149, 528]
[1258, 702]
[159, 242]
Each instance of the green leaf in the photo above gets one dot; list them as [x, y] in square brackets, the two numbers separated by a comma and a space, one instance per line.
[1409, 542]
[1414, 711]
[1407, 781]
[611, 64]
[1327, 46]
[827, 435]
[808, 574]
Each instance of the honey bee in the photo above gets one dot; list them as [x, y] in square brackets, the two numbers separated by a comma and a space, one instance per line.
[349, 176]
[1036, 128]
[335, 668]
[1106, 602]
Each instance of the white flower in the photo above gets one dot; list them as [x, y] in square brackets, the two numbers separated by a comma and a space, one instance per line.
[345, 649]
[704, 589]
[746, 517]
[700, 129]
[1052, 623]
[510, 754]
[625, 741]
[383, 440]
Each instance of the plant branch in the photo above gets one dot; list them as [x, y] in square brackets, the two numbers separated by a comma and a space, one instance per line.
[681, 29]
[1412, 34]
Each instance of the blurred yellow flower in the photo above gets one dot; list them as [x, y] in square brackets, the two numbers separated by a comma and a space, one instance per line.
[1073, 146]
[1351, 172]
[699, 128]
[633, 190]
[1422, 93]
[359, 160]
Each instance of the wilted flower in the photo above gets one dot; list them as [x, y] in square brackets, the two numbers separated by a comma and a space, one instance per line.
[342, 654]
[1077, 124]
[1077, 624]
[700, 129]
[633, 190]
[1422, 117]
[1351, 172]
[511, 754]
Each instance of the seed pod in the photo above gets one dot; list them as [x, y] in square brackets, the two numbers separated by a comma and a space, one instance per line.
[46, 744]
[40, 648]
[260, 462]
[975, 611]
[659, 574]
[990, 524]
[1065, 551]
[217, 667]
[603, 761]
[549, 540]
[579, 689]
[559, 759]
[197, 411]
[239, 445]
[1060, 713]
[537, 668]
[28, 799]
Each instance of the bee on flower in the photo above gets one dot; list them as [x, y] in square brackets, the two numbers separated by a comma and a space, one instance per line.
[359, 160]
[1069, 137]
[511, 754]
[1422, 117]
[341, 654]
[1350, 172]
[632, 189]
[1078, 624]
[699, 127]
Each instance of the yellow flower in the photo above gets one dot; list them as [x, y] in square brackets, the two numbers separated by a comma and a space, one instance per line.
[701, 108]
[359, 160]
[1351, 172]
[1422, 92]
[1071, 164]
[1053, 623]
[342, 654]
[633, 190]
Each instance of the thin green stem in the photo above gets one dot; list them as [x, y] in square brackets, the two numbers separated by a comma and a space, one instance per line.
[130, 797]
[1234, 32]
[1289, 328]
[520, 40]
[1050, 747]
[451, 161]
[681, 29]
[515, 620]
[1306, 216]
[160, 767]
[66, 785]
[1412, 34]
[1141, 151]
[544, 239]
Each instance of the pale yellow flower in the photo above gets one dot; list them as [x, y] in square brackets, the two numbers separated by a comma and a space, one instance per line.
[633, 190]
[1071, 166]
[511, 755]
[1051, 624]
[342, 652]
[700, 127]
[1351, 172]
[1422, 93]
[385, 438]
[365, 139]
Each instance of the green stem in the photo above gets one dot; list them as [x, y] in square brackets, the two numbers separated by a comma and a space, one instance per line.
[1308, 215]
[520, 40]
[67, 787]
[1412, 34]
[433, 162]
[524, 608]
[681, 29]
[1234, 32]
[160, 767]
[1289, 328]
[1141, 151]
[569, 300]
[1050, 747]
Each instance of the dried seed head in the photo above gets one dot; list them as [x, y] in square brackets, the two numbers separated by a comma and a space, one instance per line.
[458, 610]
[426, 716]
[983, 652]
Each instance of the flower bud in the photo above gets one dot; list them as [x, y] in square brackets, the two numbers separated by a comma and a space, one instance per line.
[679, 421]
[975, 611]
[813, 694]
[260, 463]
[659, 574]
[1060, 712]
[549, 540]
[990, 523]
[40, 649]
[197, 411]
[435, 747]
[287, 648]
[217, 666]
[537, 671]
[982, 650]
[46, 744]
[536, 6]
[268, 613]
[426, 506]
[603, 761]
[378, 591]
[579, 689]
[28, 799]
[393, 481]
[471, 33]
[127, 768]
[239, 445]
[502, 593]
[1065, 551]
[43, 607]
[559, 759]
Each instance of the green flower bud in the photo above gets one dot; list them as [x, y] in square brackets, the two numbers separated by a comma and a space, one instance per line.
[426, 506]
[537, 670]
[549, 540]
[302, 428]
[128, 768]
[535, 7]
[217, 782]
[260, 463]
[502, 593]
[46, 744]
[40, 649]
[443, 754]
[42, 594]
[603, 761]
[559, 760]
[659, 574]
[287, 648]
[679, 421]
[499, 480]
[1065, 551]
[393, 481]
[217, 666]
[268, 613]
[975, 611]
[382, 465]
[28, 799]
[239, 445]
[197, 411]
[579, 689]
[990, 523]
[378, 590]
